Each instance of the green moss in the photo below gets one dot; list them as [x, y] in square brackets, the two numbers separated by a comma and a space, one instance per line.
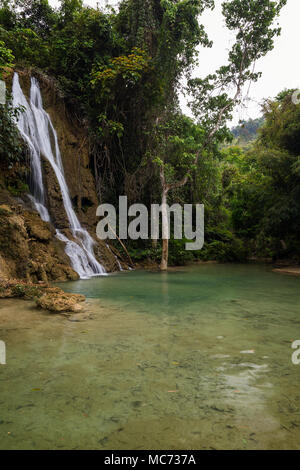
[18, 188]
[28, 292]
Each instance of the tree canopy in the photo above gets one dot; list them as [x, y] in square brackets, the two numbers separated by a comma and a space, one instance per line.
[120, 73]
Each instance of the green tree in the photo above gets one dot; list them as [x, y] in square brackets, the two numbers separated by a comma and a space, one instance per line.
[11, 145]
[177, 142]
[212, 105]
[36, 15]
[6, 58]
[262, 184]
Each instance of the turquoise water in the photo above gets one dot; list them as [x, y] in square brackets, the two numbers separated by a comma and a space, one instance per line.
[196, 358]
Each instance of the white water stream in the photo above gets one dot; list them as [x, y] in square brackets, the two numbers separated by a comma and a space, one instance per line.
[37, 130]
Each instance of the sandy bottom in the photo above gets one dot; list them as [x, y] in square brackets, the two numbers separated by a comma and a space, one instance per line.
[295, 271]
[216, 375]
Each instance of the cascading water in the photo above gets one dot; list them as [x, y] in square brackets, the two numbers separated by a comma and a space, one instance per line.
[37, 130]
[116, 258]
[27, 128]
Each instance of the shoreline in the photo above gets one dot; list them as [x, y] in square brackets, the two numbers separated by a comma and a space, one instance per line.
[45, 296]
[288, 270]
[54, 300]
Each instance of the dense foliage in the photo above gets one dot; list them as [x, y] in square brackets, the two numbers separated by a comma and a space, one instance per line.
[262, 184]
[246, 131]
[120, 73]
[12, 148]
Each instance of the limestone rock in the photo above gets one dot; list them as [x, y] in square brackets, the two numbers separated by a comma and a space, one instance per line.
[61, 302]
[29, 249]
[36, 227]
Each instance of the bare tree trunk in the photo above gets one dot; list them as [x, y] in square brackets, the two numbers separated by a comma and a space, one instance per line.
[165, 255]
[165, 231]
[165, 220]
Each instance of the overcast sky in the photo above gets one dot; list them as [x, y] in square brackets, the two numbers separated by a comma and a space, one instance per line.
[280, 68]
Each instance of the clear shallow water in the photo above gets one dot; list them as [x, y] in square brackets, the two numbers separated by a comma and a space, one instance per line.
[197, 358]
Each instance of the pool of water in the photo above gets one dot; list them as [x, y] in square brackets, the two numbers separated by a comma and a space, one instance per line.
[196, 358]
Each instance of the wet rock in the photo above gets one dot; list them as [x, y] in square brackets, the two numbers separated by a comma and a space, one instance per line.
[5, 210]
[29, 249]
[61, 302]
[14, 248]
[49, 298]
[36, 227]
[54, 197]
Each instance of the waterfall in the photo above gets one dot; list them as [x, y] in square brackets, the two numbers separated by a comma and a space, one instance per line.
[37, 130]
[116, 258]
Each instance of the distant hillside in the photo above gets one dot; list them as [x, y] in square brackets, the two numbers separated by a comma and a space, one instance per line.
[247, 130]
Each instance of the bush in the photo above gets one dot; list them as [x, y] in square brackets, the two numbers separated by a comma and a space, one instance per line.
[178, 255]
[18, 188]
[26, 291]
[12, 146]
[230, 251]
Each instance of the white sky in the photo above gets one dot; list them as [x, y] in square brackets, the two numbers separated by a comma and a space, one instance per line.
[280, 68]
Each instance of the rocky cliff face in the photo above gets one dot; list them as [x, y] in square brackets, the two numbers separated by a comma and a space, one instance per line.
[28, 246]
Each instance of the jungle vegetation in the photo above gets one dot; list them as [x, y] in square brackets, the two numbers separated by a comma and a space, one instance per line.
[121, 72]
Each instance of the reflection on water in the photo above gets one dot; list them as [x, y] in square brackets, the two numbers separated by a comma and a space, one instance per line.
[197, 358]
